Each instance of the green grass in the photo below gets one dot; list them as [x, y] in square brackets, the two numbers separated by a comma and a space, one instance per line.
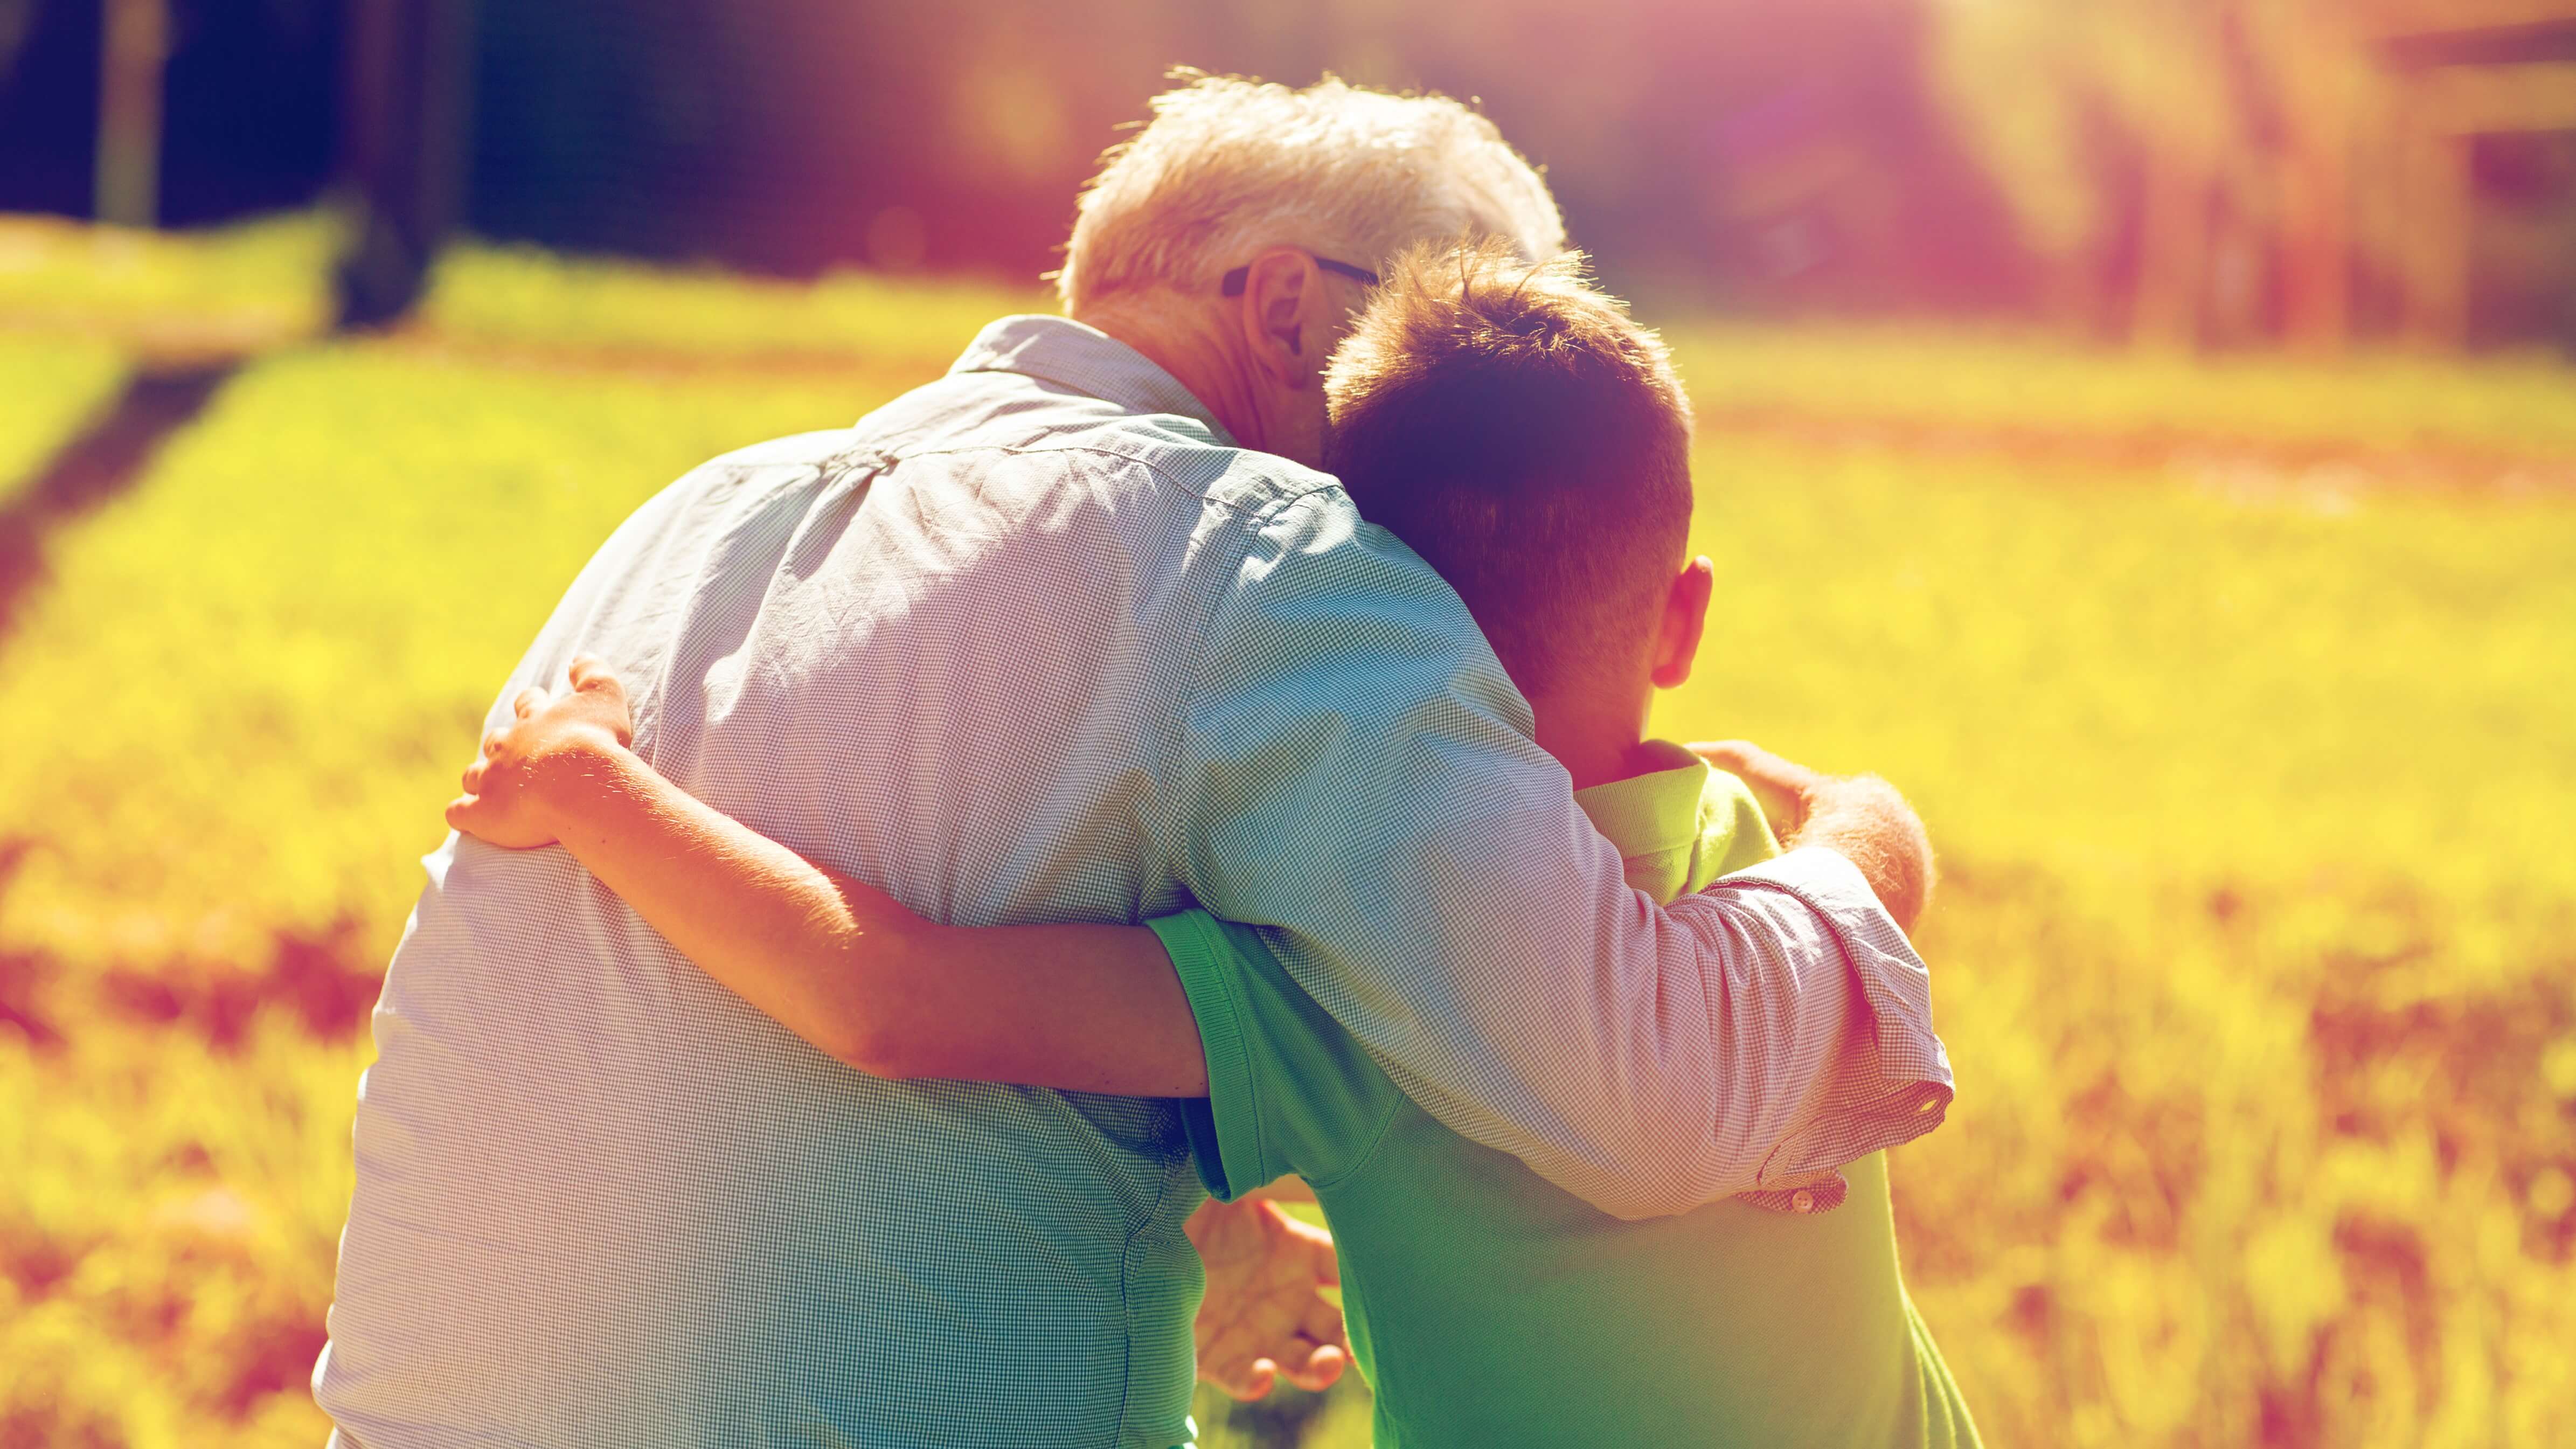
[168, 1236]
[530, 297]
[48, 386]
[2254, 955]
[2255, 958]
[246, 284]
[2517, 406]
[2132, 679]
[278, 639]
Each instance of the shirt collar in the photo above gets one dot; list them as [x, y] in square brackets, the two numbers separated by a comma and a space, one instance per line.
[1655, 811]
[1091, 362]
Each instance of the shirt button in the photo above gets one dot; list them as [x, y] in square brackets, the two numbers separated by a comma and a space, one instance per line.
[1803, 1200]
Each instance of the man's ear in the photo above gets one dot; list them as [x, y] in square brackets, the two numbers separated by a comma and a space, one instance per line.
[1685, 615]
[1279, 291]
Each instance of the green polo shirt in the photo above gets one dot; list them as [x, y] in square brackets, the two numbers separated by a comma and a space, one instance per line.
[1489, 1307]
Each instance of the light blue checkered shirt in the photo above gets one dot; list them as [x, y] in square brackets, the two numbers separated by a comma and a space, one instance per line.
[1035, 642]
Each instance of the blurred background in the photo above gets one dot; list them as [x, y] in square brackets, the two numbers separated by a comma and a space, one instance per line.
[2228, 172]
[2144, 429]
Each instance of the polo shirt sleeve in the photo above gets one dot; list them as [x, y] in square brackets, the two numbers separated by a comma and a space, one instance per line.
[1353, 770]
[1289, 1092]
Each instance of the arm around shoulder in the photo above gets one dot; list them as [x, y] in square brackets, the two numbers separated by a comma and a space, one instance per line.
[1359, 775]
[839, 962]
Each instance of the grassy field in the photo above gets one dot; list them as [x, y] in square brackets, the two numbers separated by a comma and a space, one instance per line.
[2513, 406]
[2255, 953]
[47, 386]
[240, 285]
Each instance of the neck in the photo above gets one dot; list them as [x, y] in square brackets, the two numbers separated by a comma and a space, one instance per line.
[1175, 339]
[1596, 743]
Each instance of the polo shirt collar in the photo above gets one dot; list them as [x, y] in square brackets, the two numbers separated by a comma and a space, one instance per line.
[1072, 354]
[1655, 810]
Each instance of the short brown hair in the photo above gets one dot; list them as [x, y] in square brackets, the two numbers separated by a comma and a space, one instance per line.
[1514, 426]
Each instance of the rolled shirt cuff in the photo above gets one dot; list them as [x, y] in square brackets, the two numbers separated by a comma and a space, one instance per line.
[1895, 1085]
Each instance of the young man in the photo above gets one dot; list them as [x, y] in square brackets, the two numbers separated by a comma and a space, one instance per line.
[1530, 442]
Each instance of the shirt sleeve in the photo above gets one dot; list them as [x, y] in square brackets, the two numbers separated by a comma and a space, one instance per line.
[1289, 1091]
[1357, 773]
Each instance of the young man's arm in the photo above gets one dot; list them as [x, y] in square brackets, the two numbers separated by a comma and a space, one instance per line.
[1091, 1008]
[855, 972]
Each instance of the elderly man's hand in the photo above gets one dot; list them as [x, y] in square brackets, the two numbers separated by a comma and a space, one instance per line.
[1861, 816]
[1784, 788]
[1265, 1313]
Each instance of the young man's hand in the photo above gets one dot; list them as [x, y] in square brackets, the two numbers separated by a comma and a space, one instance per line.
[1265, 1313]
[505, 799]
[1862, 817]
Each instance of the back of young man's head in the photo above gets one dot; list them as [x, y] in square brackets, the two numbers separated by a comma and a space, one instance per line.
[1518, 430]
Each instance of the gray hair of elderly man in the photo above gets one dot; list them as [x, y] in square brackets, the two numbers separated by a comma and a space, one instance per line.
[1228, 166]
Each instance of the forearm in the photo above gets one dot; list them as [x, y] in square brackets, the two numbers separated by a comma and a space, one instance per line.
[1077, 1007]
[753, 914]
[852, 970]
[1745, 1039]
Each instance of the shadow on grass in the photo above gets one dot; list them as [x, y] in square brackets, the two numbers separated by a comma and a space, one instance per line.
[325, 980]
[106, 458]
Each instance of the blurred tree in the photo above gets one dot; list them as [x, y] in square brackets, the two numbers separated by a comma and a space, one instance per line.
[2473, 79]
[2324, 81]
[135, 49]
[2123, 129]
[16, 18]
[1752, 153]
[404, 113]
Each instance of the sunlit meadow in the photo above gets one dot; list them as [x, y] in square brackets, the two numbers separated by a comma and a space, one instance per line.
[2238, 698]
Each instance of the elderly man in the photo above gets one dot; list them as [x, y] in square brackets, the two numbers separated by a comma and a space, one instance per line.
[1074, 633]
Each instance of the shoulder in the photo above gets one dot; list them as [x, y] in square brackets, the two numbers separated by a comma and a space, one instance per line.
[1332, 647]
[1260, 489]
[1311, 562]
[724, 481]
[710, 494]
[1273, 489]
[823, 448]
[1043, 425]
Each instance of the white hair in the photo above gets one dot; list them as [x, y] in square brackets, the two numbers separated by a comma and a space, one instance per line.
[1228, 166]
